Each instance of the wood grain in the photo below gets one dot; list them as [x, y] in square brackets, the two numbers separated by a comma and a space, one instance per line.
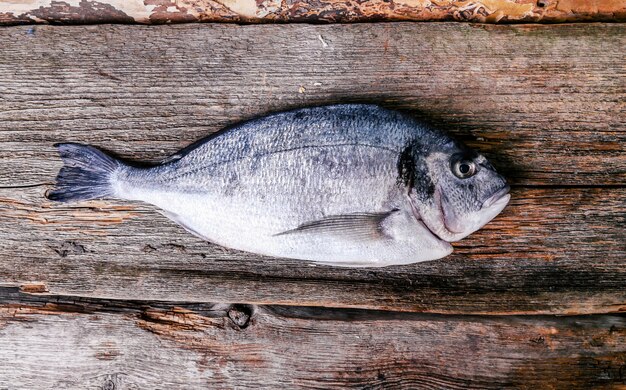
[546, 115]
[547, 104]
[81, 343]
[552, 250]
[255, 11]
[106, 294]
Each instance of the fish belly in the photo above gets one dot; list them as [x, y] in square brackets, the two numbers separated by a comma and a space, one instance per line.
[247, 204]
[236, 225]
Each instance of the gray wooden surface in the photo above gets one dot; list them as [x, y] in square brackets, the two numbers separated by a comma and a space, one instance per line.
[93, 344]
[545, 103]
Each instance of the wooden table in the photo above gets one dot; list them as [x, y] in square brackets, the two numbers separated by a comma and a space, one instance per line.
[107, 294]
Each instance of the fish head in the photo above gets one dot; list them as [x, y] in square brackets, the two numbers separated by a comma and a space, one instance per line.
[465, 192]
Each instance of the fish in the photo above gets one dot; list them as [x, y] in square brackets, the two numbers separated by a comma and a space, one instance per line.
[352, 185]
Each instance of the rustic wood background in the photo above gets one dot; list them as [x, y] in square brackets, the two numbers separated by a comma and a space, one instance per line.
[107, 294]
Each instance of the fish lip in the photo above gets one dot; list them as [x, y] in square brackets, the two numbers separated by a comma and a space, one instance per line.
[496, 196]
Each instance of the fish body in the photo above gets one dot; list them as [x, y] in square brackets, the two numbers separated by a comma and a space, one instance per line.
[349, 185]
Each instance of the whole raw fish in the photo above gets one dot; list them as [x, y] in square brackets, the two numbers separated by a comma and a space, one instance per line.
[349, 185]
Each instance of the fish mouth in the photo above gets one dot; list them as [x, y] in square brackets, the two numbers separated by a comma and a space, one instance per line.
[447, 233]
[497, 196]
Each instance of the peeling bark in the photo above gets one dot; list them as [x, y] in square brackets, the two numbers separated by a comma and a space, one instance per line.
[251, 11]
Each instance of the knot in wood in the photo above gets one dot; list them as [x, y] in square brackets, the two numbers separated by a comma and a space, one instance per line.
[240, 315]
[109, 384]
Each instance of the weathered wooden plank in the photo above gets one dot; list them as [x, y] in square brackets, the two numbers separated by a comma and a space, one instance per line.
[551, 251]
[546, 114]
[167, 11]
[65, 343]
[545, 103]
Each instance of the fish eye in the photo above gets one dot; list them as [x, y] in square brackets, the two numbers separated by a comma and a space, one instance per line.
[463, 168]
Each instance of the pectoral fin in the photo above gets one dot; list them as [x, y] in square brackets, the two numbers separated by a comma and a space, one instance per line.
[356, 226]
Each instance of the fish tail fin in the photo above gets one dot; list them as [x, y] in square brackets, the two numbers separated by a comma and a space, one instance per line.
[86, 174]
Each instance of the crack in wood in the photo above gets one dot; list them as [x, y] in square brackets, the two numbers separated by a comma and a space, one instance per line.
[304, 345]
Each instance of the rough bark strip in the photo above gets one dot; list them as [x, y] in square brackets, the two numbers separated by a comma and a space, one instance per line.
[547, 104]
[552, 251]
[251, 11]
[66, 343]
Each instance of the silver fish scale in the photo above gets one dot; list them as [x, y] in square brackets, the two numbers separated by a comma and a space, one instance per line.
[349, 185]
[323, 184]
[306, 128]
[247, 186]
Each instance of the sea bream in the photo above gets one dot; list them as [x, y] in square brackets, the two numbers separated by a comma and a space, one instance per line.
[347, 185]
